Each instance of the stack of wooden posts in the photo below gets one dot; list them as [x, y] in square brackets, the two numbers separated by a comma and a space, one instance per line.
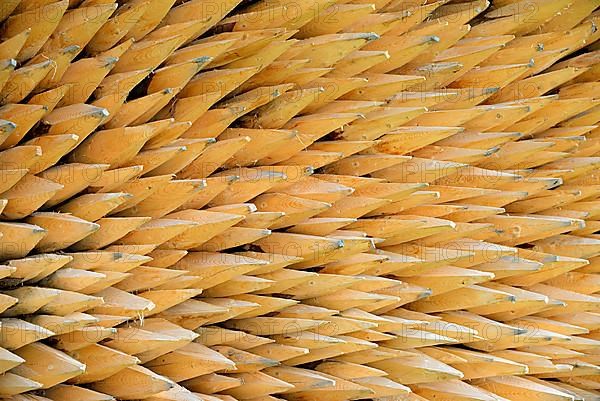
[303, 200]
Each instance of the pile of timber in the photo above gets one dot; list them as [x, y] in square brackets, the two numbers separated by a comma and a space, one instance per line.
[301, 200]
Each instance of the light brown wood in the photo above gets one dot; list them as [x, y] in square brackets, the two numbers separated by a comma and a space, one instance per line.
[302, 201]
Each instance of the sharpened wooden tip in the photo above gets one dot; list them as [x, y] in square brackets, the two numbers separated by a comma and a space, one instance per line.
[304, 201]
